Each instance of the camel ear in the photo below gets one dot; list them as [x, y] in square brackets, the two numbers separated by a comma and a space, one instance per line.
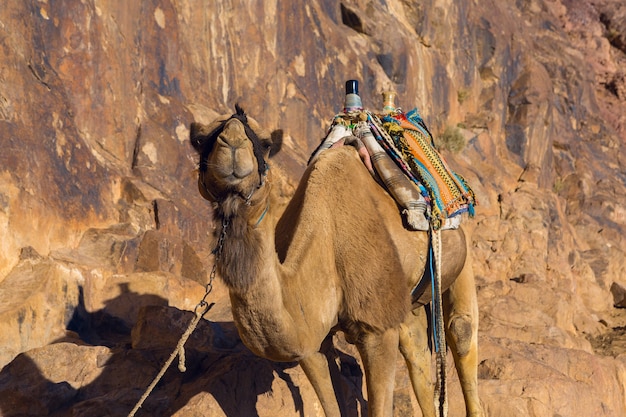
[271, 142]
[198, 135]
[275, 142]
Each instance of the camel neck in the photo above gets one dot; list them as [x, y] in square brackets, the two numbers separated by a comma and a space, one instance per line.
[245, 240]
[250, 268]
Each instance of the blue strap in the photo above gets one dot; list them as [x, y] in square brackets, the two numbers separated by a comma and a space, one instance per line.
[433, 304]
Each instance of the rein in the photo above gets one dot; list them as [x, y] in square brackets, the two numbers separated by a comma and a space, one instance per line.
[267, 207]
[200, 310]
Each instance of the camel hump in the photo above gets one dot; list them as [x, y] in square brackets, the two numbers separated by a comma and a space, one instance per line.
[340, 160]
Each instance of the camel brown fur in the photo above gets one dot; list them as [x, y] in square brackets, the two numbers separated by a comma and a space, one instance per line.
[337, 258]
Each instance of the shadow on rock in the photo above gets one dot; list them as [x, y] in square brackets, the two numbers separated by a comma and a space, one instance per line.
[104, 366]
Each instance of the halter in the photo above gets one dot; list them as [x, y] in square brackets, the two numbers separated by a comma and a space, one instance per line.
[263, 167]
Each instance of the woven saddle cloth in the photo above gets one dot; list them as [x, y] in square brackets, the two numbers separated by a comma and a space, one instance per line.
[402, 156]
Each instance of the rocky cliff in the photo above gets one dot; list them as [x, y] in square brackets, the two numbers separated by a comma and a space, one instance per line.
[106, 242]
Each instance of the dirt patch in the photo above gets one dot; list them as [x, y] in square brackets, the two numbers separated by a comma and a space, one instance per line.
[611, 343]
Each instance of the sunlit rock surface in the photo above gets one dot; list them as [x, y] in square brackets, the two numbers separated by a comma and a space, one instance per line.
[106, 242]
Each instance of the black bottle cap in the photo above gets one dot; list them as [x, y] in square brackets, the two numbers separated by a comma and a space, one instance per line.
[352, 87]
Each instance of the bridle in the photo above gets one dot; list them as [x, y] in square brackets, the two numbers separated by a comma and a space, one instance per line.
[263, 167]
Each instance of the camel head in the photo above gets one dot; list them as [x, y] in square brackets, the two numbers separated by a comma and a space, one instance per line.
[233, 152]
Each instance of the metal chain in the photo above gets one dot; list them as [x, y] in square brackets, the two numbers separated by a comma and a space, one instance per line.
[216, 252]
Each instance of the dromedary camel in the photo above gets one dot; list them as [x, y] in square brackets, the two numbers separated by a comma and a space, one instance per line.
[337, 258]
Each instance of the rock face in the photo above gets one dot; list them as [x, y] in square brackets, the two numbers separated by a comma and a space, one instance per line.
[106, 246]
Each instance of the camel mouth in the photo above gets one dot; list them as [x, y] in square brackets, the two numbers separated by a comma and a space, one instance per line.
[216, 187]
[230, 171]
[233, 163]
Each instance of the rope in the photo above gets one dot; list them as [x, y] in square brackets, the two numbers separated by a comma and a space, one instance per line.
[200, 310]
[441, 397]
[179, 351]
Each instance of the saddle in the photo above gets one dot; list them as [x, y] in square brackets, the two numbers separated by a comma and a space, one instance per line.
[398, 150]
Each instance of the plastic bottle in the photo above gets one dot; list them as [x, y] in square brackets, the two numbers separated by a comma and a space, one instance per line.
[389, 102]
[352, 101]
[341, 129]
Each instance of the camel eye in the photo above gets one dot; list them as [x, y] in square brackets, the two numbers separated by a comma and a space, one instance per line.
[266, 144]
[199, 136]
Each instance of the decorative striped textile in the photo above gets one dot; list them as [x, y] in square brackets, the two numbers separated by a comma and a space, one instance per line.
[408, 141]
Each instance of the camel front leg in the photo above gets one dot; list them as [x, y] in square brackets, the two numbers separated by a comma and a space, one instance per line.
[462, 335]
[317, 371]
[379, 352]
[414, 348]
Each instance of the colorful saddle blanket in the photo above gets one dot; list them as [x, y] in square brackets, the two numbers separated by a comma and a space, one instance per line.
[409, 142]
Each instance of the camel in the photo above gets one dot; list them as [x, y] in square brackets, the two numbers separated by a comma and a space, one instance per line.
[337, 258]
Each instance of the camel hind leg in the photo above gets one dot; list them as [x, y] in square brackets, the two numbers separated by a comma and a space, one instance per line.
[461, 316]
[417, 355]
